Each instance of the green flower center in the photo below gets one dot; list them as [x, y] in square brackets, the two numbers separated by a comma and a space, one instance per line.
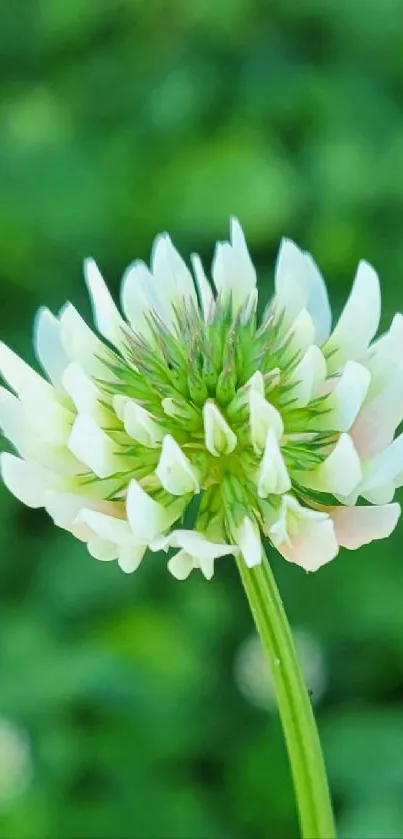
[173, 373]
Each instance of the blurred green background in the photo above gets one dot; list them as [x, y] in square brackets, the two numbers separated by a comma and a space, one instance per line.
[138, 706]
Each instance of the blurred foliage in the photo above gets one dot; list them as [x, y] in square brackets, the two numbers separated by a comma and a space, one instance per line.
[119, 119]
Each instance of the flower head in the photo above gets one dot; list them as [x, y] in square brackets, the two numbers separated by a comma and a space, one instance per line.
[275, 424]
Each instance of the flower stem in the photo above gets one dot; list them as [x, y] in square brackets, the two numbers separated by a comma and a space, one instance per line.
[301, 735]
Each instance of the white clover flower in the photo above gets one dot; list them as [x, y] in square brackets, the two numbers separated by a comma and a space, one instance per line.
[277, 425]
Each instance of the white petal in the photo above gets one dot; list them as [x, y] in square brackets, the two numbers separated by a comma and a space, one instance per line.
[94, 448]
[196, 552]
[172, 276]
[262, 417]
[29, 482]
[43, 405]
[248, 540]
[357, 526]
[137, 295]
[206, 566]
[379, 495]
[256, 383]
[148, 519]
[140, 425]
[195, 544]
[130, 557]
[219, 437]
[388, 348]
[303, 536]
[143, 294]
[49, 347]
[308, 376]
[395, 340]
[273, 476]
[14, 423]
[241, 399]
[300, 337]
[86, 396]
[81, 345]
[245, 266]
[318, 300]
[345, 401]
[233, 271]
[20, 375]
[107, 527]
[384, 467]
[396, 334]
[102, 549]
[181, 565]
[359, 320]
[52, 422]
[64, 509]
[204, 288]
[118, 403]
[174, 470]
[27, 438]
[299, 285]
[339, 474]
[291, 290]
[106, 315]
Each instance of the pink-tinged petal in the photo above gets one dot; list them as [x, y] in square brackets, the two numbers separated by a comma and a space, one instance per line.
[357, 526]
[377, 421]
[303, 536]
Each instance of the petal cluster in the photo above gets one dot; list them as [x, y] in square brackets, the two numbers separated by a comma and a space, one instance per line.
[189, 406]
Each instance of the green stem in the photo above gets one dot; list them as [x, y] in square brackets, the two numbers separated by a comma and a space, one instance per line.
[301, 735]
